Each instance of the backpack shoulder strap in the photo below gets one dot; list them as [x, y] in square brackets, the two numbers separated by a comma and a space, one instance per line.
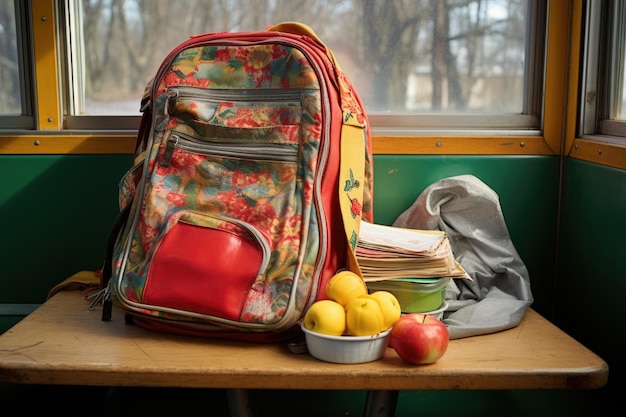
[354, 143]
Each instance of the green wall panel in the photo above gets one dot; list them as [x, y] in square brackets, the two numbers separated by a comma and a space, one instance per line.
[56, 212]
[591, 283]
[528, 191]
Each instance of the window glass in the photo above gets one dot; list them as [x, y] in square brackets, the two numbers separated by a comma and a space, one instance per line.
[603, 102]
[620, 59]
[622, 99]
[406, 58]
[10, 94]
[16, 110]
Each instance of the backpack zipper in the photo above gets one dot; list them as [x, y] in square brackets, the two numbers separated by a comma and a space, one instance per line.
[260, 152]
[251, 95]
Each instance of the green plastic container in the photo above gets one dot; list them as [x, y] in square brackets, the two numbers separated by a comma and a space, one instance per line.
[415, 295]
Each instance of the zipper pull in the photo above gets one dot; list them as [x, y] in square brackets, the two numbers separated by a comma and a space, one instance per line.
[172, 141]
[95, 297]
[170, 101]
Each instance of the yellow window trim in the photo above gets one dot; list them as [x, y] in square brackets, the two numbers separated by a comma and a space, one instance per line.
[64, 143]
[597, 149]
[600, 150]
[46, 66]
[461, 145]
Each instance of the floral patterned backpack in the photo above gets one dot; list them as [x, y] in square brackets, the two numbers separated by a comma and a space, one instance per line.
[253, 170]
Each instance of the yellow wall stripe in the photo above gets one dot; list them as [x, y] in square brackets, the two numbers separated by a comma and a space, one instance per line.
[604, 153]
[461, 145]
[68, 144]
[382, 145]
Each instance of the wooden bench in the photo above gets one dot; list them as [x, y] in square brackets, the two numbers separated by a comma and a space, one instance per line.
[63, 343]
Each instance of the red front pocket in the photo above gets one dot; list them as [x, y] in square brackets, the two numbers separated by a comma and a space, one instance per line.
[204, 270]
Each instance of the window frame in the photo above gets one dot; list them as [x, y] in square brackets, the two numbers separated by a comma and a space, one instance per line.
[603, 60]
[527, 123]
[608, 123]
[599, 137]
[558, 136]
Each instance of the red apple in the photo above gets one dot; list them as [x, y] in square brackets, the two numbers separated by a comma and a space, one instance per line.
[419, 338]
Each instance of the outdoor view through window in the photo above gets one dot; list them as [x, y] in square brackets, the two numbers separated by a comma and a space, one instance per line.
[10, 97]
[404, 56]
[446, 62]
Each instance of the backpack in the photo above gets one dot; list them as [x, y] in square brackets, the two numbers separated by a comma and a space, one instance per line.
[252, 171]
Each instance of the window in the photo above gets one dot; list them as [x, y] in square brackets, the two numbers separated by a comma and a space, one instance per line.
[418, 65]
[603, 101]
[15, 103]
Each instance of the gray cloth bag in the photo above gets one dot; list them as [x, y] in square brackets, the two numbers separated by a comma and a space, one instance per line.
[469, 212]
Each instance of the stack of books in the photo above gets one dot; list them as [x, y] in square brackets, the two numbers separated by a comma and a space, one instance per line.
[387, 252]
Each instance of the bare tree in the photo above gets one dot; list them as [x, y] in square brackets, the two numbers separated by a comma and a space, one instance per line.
[390, 32]
[458, 48]
[440, 51]
[484, 53]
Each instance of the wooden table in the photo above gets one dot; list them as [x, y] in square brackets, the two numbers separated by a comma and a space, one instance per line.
[62, 342]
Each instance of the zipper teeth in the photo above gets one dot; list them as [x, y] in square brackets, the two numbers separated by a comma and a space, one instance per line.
[132, 225]
[265, 152]
[323, 160]
[165, 65]
[242, 95]
[203, 325]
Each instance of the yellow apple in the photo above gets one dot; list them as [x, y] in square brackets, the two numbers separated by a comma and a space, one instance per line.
[389, 305]
[326, 317]
[364, 317]
[345, 286]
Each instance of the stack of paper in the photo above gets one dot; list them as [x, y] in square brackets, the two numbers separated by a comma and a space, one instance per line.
[387, 252]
